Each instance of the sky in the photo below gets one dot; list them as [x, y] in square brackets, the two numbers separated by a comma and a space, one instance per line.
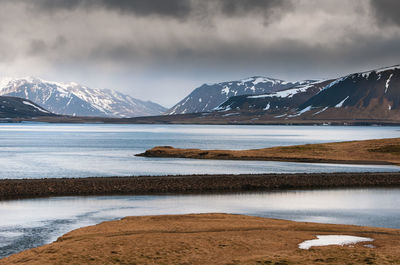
[161, 50]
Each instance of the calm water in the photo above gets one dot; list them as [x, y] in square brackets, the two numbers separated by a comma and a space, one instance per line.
[83, 150]
[29, 223]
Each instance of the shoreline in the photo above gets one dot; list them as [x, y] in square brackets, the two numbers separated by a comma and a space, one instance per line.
[212, 238]
[369, 152]
[12, 189]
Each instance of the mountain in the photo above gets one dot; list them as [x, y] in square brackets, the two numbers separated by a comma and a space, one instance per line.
[209, 96]
[77, 100]
[367, 95]
[364, 98]
[275, 102]
[12, 107]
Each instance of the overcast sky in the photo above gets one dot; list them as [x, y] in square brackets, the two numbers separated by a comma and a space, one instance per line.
[162, 49]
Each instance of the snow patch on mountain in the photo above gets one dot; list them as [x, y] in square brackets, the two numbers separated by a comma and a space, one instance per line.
[387, 83]
[340, 104]
[213, 95]
[288, 93]
[33, 105]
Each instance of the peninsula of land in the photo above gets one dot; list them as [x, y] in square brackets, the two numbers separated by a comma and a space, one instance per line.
[382, 151]
[211, 239]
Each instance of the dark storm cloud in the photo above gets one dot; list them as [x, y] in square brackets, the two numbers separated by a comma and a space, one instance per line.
[179, 9]
[173, 8]
[387, 11]
[194, 41]
[242, 7]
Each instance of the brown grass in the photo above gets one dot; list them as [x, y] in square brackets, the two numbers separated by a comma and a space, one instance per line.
[382, 151]
[210, 239]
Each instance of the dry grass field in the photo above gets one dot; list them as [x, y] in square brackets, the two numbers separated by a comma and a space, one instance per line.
[382, 151]
[211, 239]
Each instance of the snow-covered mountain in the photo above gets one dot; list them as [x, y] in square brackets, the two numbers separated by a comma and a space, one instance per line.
[371, 95]
[209, 96]
[12, 107]
[368, 95]
[77, 100]
[275, 102]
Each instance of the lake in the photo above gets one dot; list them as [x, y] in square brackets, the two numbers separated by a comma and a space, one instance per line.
[34, 222]
[40, 150]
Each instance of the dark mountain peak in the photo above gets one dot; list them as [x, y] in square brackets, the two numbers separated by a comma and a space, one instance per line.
[209, 96]
[13, 107]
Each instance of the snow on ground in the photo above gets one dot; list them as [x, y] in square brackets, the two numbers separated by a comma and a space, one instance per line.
[284, 93]
[387, 82]
[225, 90]
[340, 104]
[36, 107]
[4, 81]
[328, 240]
[320, 111]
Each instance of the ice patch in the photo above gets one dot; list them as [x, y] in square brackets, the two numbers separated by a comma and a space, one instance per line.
[328, 240]
[340, 104]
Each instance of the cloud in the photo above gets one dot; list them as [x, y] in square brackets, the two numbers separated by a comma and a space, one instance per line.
[170, 8]
[149, 47]
[387, 11]
[179, 9]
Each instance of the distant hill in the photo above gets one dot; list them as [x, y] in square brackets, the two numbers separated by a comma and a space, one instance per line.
[12, 107]
[77, 100]
[209, 96]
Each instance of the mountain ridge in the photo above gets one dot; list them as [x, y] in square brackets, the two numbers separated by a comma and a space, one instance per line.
[209, 96]
[77, 100]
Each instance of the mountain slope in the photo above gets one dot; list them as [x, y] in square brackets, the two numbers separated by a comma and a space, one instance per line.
[276, 102]
[74, 99]
[207, 97]
[369, 95]
[12, 107]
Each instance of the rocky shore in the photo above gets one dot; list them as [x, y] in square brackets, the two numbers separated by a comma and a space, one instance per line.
[33, 188]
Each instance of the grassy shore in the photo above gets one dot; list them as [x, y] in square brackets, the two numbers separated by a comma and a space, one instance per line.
[211, 239]
[382, 151]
